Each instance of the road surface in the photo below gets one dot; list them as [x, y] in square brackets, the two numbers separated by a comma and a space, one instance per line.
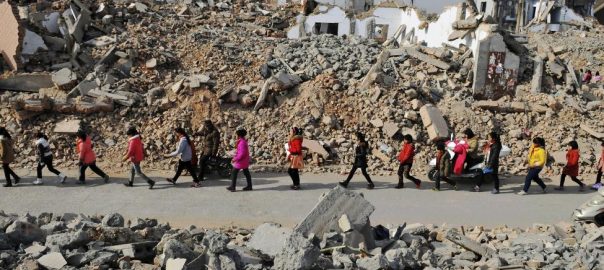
[272, 200]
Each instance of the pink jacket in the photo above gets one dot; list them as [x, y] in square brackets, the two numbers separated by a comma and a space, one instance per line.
[136, 150]
[87, 155]
[242, 156]
[461, 150]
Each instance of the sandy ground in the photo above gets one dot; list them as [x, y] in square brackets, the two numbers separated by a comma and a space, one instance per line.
[272, 200]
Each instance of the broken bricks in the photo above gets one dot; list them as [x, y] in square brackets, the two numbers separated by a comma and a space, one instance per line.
[434, 122]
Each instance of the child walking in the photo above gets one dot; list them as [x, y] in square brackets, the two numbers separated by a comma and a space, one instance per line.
[360, 161]
[186, 151]
[136, 154]
[296, 160]
[572, 166]
[241, 161]
[536, 161]
[405, 158]
[7, 156]
[45, 159]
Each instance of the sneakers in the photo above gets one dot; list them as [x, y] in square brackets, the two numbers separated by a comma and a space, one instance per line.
[151, 184]
[370, 186]
[522, 192]
[435, 189]
[544, 190]
[494, 191]
[38, 182]
[343, 184]
[248, 188]
[7, 185]
[196, 185]
[106, 179]
[582, 188]
[559, 188]
[293, 187]
[418, 185]
[231, 189]
[129, 184]
[476, 189]
[596, 186]
[81, 182]
[400, 185]
[62, 178]
[17, 179]
[171, 181]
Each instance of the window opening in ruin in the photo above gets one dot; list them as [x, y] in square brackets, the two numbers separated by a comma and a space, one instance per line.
[555, 15]
[380, 32]
[325, 28]
[483, 6]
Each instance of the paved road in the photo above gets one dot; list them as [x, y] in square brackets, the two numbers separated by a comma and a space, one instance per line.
[213, 206]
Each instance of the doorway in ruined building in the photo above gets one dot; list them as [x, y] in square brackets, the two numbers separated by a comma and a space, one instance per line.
[483, 7]
[325, 28]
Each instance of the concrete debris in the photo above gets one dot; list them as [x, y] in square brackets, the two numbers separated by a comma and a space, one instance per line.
[52, 261]
[337, 202]
[434, 122]
[268, 239]
[298, 253]
[26, 83]
[64, 79]
[68, 126]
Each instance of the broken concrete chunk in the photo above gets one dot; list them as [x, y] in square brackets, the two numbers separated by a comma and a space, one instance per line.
[315, 147]
[268, 239]
[390, 129]
[52, 261]
[32, 42]
[344, 224]
[434, 122]
[427, 59]
[68, 126]
[176, 264]
[469, 244]
[298, 253]
[177, 86]
[64, 79]
[151, 63]
[591, 131]
[337, 202]
[27, 82]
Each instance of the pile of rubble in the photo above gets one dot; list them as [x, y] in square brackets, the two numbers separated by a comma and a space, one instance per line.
[105, 66]
[336, 234]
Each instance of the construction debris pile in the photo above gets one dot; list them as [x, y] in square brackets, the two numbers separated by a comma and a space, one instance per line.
[336, 234]
[105, 66]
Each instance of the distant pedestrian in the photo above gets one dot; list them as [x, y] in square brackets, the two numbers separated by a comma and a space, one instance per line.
[600, 167]
[136, 154]
[186, 151]
[405, 158]
[296, 159]
[87, 157]
[572, 166]
[7, 156]
[241, 161]
[360, 161]
[536, 161]
[491, 164]
[597, 78]
[587, 77]
[45, 159]
[443, 167]
[211, 142]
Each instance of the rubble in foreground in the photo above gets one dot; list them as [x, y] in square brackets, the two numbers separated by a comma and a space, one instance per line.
[76, 241]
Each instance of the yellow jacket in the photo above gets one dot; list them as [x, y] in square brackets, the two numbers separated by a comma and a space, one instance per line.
[537, 157]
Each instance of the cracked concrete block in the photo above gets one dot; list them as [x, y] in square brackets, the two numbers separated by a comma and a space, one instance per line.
[68, 126]
[64, 78]
[434, 122]
[337, 202]
[52, 261]
[268, 239]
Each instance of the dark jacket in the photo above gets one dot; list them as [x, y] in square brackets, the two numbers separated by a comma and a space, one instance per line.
[7, 152]
[360, 155]
[492, 160]
[211, 142]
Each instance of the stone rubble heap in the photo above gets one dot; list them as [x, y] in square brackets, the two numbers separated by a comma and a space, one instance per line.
[348, 241]
[161, 65]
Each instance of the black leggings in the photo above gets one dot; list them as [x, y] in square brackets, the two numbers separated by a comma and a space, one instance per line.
[363, 171]
[46, 161]
[203, 166]
[295, 175]
[8, 172]
[574, 178]
[188, 165]
[93, 167]
[246, 172]
[599, 177]
[403, 172]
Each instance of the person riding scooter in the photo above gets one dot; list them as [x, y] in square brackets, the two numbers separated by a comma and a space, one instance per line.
[473, 156]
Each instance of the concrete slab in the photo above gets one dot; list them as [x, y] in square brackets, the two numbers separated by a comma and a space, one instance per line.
[434, 122]
[68, 126]
[52, 261]
[269, 239]
[27, 82]
[337, 202]
[315, 147]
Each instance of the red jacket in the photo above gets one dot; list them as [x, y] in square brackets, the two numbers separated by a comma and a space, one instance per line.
[136, 151]
[572, 163]
[84, 149]
[406, 154]
[295, 145]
